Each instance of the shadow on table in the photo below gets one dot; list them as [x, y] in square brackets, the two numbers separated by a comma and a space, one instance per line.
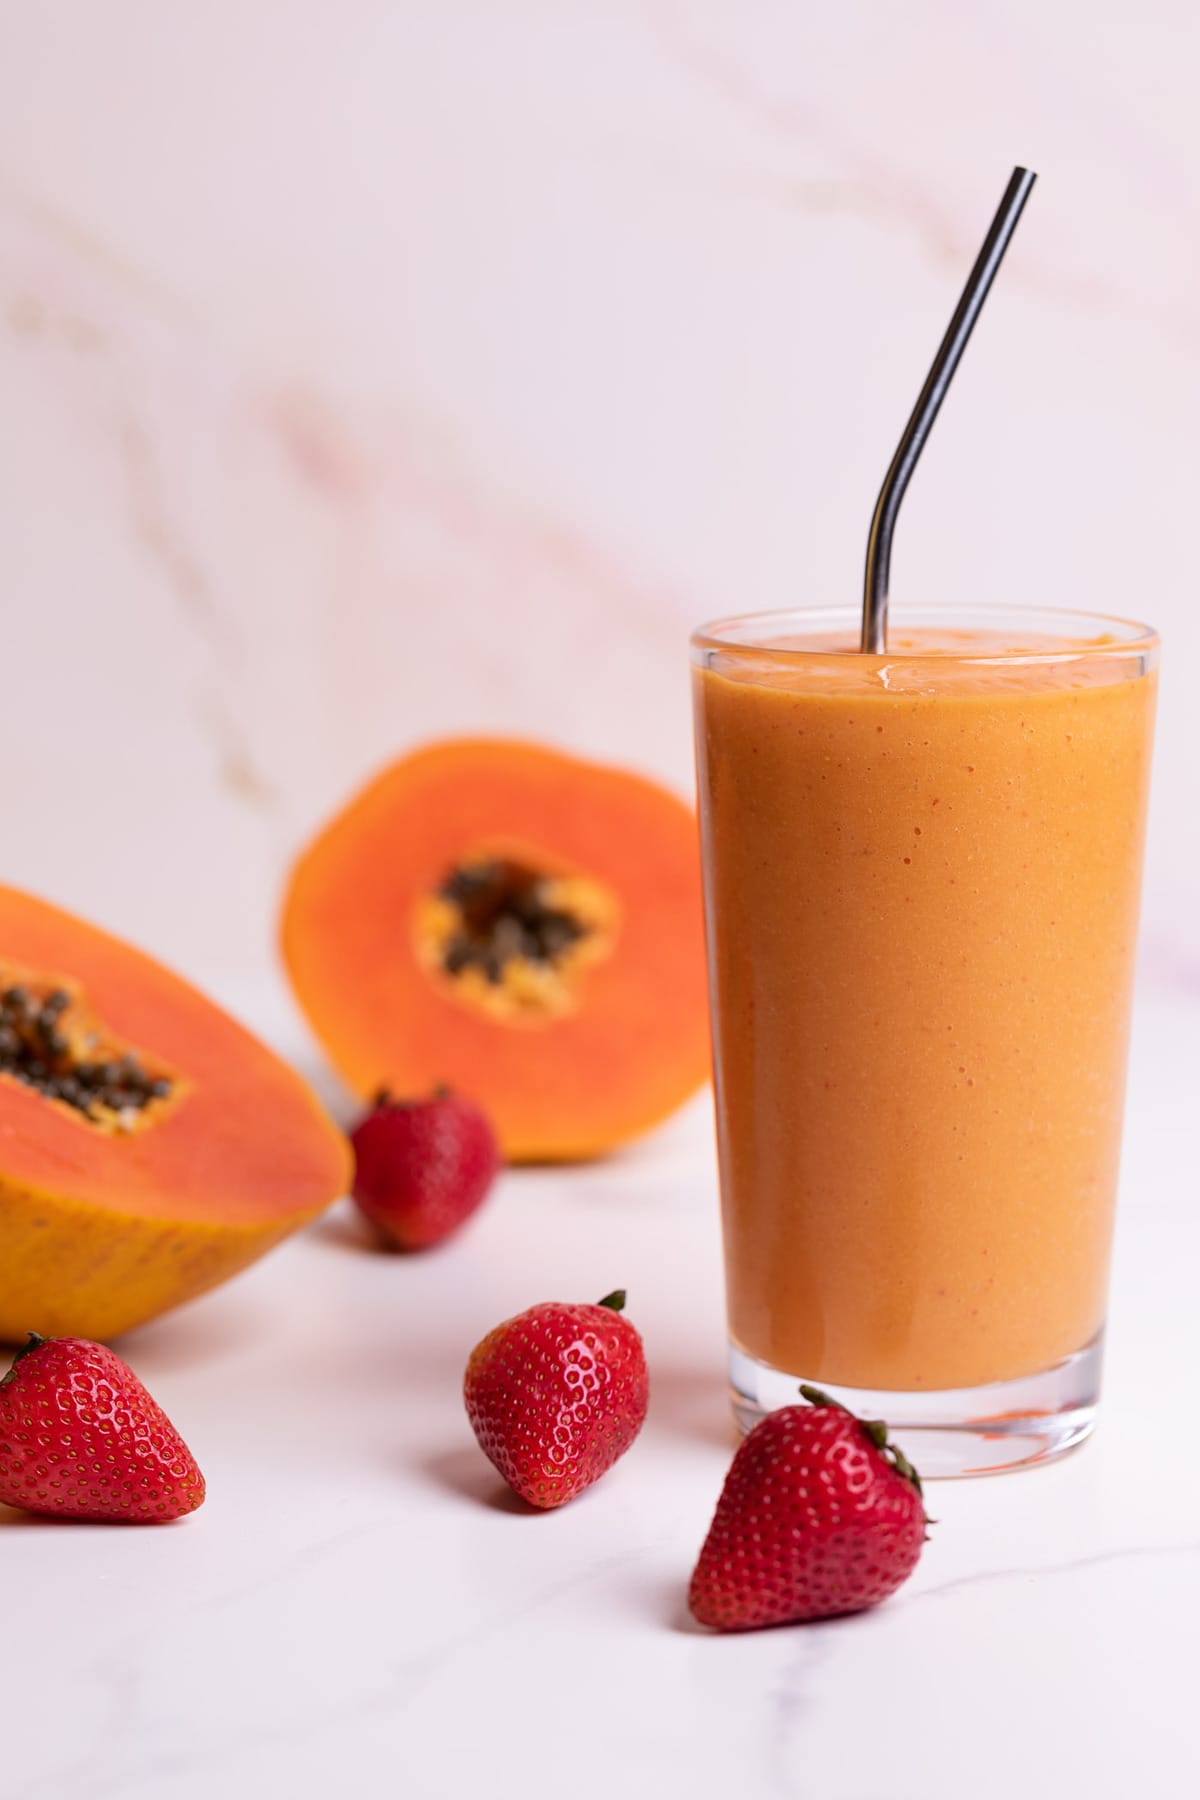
[10, 1517]
[664, 1603]
[211, 1329]
[344, 1228]
[466, 1472]
[691, 1401]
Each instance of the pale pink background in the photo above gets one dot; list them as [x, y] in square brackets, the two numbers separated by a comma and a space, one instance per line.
[372, 370]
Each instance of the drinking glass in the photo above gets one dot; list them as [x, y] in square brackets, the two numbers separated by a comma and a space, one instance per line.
[922, 873]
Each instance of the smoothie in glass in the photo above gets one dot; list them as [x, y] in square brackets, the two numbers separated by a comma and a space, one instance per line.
[922, 874]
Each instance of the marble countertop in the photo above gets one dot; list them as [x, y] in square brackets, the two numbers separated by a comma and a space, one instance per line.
[361, 1608]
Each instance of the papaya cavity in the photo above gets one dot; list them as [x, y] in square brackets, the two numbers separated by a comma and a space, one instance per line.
[52, 1041]
[510, 936]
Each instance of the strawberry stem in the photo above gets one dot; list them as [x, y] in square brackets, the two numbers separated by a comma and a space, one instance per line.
[818, 1397]
[904, 1467]
[35, 1343]
[614, 1301]
[383, 1097]
[875, 1429]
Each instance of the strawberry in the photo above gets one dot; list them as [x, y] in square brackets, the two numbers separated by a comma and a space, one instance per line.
[556, 1395]
[819, 1515]
[422, 1166]
[80, 1438]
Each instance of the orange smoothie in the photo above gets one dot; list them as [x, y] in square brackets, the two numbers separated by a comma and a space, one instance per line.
[922, 875]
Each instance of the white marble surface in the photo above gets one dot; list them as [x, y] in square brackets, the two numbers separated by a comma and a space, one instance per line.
[359, 1609]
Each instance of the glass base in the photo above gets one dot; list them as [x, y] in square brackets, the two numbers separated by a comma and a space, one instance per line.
[948, 1432]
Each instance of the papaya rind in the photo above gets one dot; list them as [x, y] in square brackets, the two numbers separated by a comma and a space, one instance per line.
[73, 1270]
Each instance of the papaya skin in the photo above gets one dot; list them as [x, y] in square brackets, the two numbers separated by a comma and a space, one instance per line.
[104, 1226]
[607, 1059]
[76, 1271]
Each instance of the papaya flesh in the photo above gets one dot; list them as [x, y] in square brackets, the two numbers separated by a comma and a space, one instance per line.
[519, 924]
[149, 1146]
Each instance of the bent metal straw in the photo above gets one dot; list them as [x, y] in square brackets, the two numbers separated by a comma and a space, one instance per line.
[883, 523]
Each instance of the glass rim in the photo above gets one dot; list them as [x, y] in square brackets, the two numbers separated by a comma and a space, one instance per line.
[756, 634]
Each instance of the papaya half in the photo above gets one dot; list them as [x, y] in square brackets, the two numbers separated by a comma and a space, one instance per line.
[149, 1146]
[518, 924]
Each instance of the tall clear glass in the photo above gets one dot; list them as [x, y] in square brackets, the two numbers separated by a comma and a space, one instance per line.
[922, 874]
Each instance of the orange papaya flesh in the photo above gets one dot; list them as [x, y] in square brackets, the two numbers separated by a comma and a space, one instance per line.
[149, 1145]
[520, 924]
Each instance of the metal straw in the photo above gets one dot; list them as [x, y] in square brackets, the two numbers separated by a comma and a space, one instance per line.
[883, 523]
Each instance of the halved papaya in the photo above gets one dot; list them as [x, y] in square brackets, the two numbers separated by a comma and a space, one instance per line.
[149, 1146]
[517, 923]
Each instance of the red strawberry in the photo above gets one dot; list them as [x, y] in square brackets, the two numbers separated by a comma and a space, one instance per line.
[81, 1438]
[819, 1515]
[556, 1395]
[422, 1166]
